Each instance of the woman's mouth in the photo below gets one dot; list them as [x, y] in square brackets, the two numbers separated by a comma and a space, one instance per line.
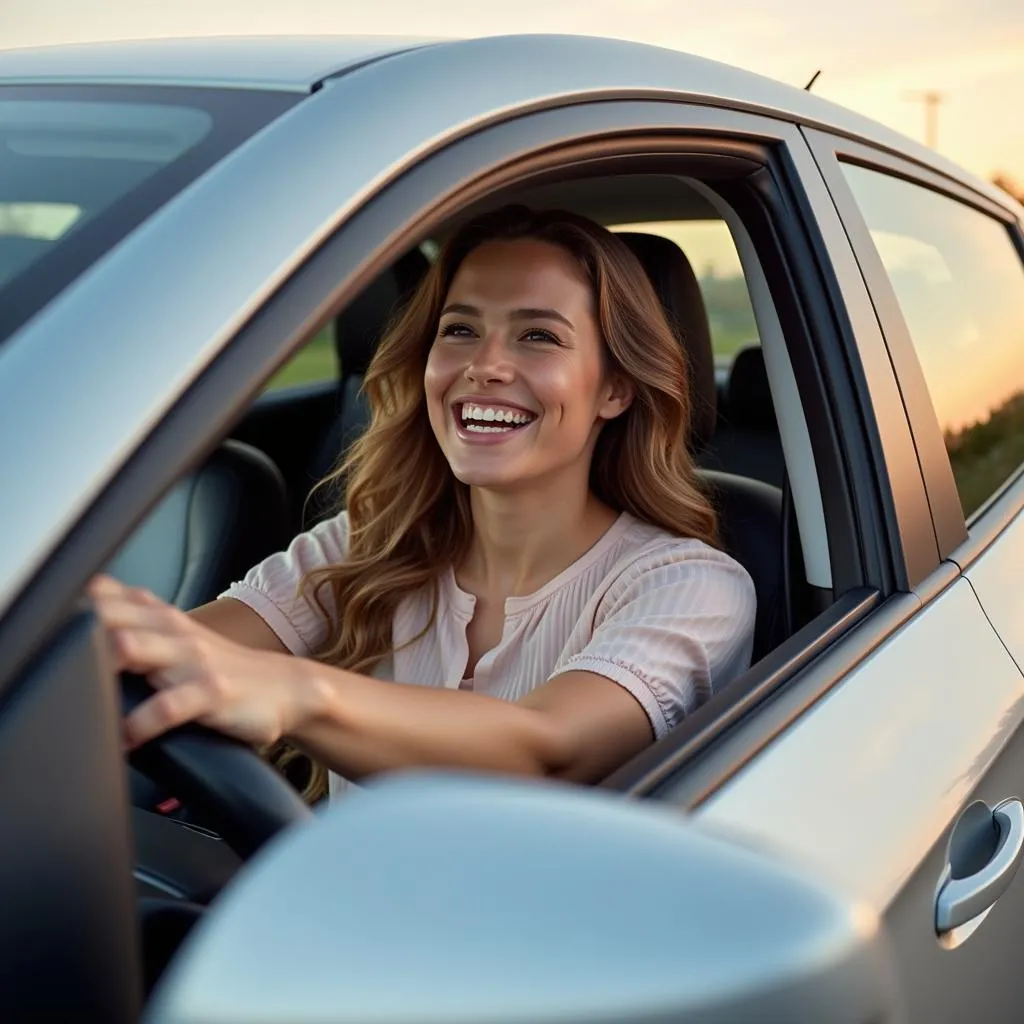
[479, 422]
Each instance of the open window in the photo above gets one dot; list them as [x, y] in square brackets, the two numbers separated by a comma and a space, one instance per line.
[694, 264]
[712, 223]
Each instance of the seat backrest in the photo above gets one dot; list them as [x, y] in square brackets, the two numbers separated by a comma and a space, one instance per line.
[750, 511]
[750, 516]
[213, 526]
[747, 440]
[357, 333]
[677, 287]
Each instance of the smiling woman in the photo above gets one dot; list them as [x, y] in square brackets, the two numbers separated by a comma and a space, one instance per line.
[526, 576]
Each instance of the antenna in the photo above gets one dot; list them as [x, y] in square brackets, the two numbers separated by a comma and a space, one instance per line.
[931, 100]
[814, 78]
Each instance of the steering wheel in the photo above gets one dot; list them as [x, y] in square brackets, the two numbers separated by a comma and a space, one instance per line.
[241, 795]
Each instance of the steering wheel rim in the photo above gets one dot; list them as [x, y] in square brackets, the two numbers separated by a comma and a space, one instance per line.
[242, 796]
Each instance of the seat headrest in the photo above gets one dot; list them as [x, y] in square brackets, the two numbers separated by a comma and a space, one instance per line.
[676, 285]
[360, 325]
[749, 396]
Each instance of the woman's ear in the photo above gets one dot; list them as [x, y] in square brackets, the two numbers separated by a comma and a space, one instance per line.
[618, 396]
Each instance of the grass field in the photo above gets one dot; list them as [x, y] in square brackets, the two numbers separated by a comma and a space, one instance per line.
[317, 361]
[988, 453]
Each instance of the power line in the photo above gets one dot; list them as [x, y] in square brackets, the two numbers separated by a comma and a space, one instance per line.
[931, 100]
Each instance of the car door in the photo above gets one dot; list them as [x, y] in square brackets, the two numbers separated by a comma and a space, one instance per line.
[906, 780]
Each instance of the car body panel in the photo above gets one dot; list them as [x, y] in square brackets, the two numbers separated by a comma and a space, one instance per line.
[559, 66]
[998, 578]
[974, 972]
[867, 782]
[963, 973]
[292, 64]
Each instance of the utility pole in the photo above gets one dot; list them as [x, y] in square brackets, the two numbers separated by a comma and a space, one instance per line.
[931, 100]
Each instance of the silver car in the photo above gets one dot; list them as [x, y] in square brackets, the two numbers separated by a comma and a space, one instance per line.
[200, 244]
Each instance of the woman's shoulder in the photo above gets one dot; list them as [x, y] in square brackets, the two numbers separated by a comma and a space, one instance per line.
[645, 547]
[641, 538]
[329, 535]
[324, 544]
[272, 588]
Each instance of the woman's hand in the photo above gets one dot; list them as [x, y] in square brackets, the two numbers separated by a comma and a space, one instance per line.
[200, 675]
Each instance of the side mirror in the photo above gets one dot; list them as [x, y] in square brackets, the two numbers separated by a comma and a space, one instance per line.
[463, 899]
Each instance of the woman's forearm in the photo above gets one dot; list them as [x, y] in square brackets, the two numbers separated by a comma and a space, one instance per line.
[577, 726]
[358, 726]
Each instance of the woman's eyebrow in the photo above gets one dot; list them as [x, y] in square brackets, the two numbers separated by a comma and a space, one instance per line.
[540, 314]
[527, 313]
[461, 309]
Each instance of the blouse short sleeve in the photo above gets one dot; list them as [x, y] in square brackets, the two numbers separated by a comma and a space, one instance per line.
[672, 627]
[271, 588]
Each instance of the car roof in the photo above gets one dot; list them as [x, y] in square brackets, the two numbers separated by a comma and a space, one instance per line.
[289, 63]
[301, 63]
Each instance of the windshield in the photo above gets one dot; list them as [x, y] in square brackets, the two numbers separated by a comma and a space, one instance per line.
[82, 167]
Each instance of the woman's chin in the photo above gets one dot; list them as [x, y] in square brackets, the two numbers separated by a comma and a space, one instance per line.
[487, 477]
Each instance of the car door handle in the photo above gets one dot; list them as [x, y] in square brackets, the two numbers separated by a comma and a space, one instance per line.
[959, 900]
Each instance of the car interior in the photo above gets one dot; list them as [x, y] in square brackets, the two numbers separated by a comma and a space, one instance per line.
[205, 533]
[253, 493]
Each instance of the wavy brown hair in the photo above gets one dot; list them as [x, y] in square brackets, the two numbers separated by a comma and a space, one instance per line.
[409, 517]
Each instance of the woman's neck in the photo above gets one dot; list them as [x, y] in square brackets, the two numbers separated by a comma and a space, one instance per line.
[523, 540]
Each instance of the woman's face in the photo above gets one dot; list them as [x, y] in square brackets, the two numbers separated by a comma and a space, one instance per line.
[516, 381]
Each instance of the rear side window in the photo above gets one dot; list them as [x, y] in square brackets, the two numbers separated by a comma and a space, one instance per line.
[959, 281]
[81, 167]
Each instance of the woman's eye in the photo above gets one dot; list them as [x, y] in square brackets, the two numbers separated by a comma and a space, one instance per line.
[536, 334]
[456, 331]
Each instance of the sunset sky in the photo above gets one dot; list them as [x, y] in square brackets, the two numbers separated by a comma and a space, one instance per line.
[873, 55]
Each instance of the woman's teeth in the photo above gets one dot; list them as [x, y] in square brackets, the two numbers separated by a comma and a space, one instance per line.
[483, 419]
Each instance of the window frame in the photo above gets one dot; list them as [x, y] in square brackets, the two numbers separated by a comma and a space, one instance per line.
[955, 533]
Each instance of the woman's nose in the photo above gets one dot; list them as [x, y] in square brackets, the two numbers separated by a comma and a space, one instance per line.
[490, 361]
